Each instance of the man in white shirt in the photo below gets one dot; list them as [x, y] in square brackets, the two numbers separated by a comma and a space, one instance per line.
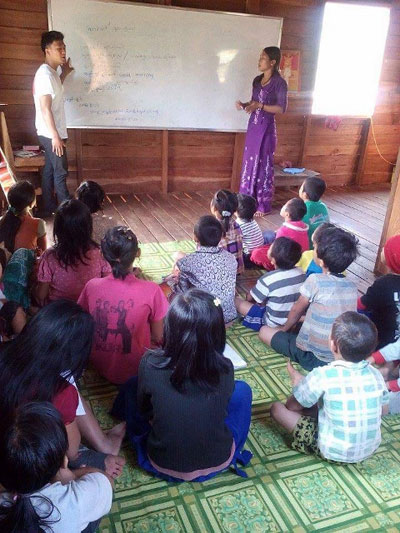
[48, 94]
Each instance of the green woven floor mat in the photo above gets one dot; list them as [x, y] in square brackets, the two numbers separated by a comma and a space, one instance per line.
[284, 491]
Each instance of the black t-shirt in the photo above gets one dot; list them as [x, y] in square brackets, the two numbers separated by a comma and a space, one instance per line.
[188, 428]
[383, 300]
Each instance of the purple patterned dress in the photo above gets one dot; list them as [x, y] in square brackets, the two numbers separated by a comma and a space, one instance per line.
[257, 176]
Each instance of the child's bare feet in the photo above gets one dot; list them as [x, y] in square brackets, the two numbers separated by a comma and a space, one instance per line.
[114, 465]
[294, 374]
[113, 439]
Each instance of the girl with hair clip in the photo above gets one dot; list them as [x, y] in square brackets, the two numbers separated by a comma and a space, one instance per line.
[128, 311]
[223, 205]
[186, 415]
[75, 258]
[42, 364]
[18, 229]
[42, 494]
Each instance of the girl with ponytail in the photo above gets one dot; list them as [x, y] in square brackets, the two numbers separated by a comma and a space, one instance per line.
[128, 311]
[42, 494]
[18, 229]
[223, 205]
[75, 258]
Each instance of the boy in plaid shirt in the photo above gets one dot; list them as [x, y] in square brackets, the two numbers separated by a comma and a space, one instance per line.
[335, 411]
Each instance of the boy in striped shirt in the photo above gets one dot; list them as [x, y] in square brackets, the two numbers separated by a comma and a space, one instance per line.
[323, 297]
[252, 234]
[275, 292]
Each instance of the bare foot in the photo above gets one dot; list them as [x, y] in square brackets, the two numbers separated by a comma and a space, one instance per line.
[294, 374]
[260, 214]
[113, 439]
[114, 465]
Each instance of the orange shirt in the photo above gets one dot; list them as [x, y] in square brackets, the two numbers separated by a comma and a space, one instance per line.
[27, 235]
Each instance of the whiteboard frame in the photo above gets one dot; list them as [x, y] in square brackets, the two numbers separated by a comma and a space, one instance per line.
[194, 10]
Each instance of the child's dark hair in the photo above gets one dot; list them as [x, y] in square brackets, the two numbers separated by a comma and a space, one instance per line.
[20, 196]
[7, 314]
[296, 208]
[53, 346]
[208, 231]
[49, 37]
[226, 203]
[355, 335]
[3, 259]
[72, 232]
[314, 188]
[194, 340]
[33, 445]
[247, 206]
[120, 248]
[286, 252]
[336, 247]
[92, 195]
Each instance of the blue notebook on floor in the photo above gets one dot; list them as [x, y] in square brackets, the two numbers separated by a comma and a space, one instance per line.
[232, 354]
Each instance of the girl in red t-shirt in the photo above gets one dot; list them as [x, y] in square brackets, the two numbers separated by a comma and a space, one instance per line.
[42, 364]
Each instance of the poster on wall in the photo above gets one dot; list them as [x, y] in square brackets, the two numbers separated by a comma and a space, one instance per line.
[290, 69]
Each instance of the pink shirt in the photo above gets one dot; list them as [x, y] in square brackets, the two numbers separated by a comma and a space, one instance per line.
[297, 231]
[68, 283]
[123, 311]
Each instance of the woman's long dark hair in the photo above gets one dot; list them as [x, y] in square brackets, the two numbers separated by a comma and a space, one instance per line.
[58, 340]
[20, 196]
[225, 202]
[274, 53]
[194, 340]
[72, 231]
[33, 445]
[120, 248]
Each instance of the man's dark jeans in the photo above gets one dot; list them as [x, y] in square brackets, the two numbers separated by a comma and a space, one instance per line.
[54, 176]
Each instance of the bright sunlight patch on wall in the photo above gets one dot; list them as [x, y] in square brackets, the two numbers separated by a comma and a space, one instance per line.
[350, 59]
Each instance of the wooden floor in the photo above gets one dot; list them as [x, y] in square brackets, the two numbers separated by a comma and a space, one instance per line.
[169, 217]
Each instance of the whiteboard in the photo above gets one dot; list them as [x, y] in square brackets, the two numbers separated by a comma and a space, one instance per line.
[141, 66]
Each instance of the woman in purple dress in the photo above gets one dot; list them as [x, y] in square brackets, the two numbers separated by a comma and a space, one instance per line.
[269, 97]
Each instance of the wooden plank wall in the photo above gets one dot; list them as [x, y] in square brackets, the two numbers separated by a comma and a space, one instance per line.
[138, 160]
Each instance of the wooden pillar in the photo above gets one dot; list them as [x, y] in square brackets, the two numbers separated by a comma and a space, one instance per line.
[79, 157]
[304, 139]
[365, 137]
[392, 220]
[164, 161]
[237, 160]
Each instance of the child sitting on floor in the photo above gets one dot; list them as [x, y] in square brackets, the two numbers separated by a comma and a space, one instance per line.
[335, 411]
[75, 258]
[323, 297]
[293, 228]
[92, 195]
[382, 299]
[276, 291]
[42, 364]
[252, 234]
[223, 205]
[311, 191]
[209, 268]
[18, 229]
[128, 311]
[42, 494]
[186, 416]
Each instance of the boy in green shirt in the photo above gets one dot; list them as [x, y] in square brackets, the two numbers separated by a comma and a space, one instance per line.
[311, 191]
